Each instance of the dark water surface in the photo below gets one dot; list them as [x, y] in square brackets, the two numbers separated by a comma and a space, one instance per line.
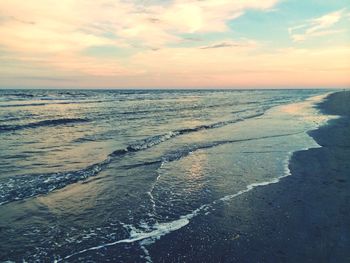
[101, 175]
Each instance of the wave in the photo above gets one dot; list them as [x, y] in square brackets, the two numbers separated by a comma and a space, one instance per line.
[26, 186]
[53, 122]
[193, 107]
[151, 141]
[30, 185]
[21, 95]
[181, 153]
[157, 139]
[22, 105]
[51, 103]
[218, 124]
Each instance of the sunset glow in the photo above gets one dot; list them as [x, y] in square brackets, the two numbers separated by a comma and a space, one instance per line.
[174, 43]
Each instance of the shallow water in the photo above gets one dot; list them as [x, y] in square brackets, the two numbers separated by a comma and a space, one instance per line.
[99, 175]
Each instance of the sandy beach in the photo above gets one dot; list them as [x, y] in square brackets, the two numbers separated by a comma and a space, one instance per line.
[303, 218]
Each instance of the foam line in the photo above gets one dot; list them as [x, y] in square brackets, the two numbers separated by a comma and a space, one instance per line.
[162, 229]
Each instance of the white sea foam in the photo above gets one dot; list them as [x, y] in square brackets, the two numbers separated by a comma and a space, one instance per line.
[162, 229]
[159, 230]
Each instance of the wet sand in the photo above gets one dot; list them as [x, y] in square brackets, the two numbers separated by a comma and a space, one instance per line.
[303, 218]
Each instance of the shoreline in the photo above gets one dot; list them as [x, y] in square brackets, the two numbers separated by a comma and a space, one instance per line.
[166, 228]
[230, 225]
[303, 218]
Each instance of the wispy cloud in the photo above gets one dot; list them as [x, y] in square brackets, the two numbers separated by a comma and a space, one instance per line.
[221, 45]
[229, 44]
[4, 18]
[55, 79]
[319, 26]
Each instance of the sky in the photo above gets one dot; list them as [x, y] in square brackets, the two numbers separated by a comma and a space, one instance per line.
[174, 44]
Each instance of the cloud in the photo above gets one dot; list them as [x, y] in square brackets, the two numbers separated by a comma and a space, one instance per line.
[316, 27]
[229, 44]
[4, 18]
[54, 79]
[56, 33]
[182, 42]
[208, 15]
[221, 45]
[154, 24]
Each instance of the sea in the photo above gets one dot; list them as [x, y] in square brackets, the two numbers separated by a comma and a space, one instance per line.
[102, 175]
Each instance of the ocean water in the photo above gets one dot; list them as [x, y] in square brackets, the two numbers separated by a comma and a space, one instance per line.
[101, 175]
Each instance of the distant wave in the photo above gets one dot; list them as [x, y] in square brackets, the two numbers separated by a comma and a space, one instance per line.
[23, 105]
[193, 107]
[150, 141]
[51, 103]
[31, 125]
[21, 95]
